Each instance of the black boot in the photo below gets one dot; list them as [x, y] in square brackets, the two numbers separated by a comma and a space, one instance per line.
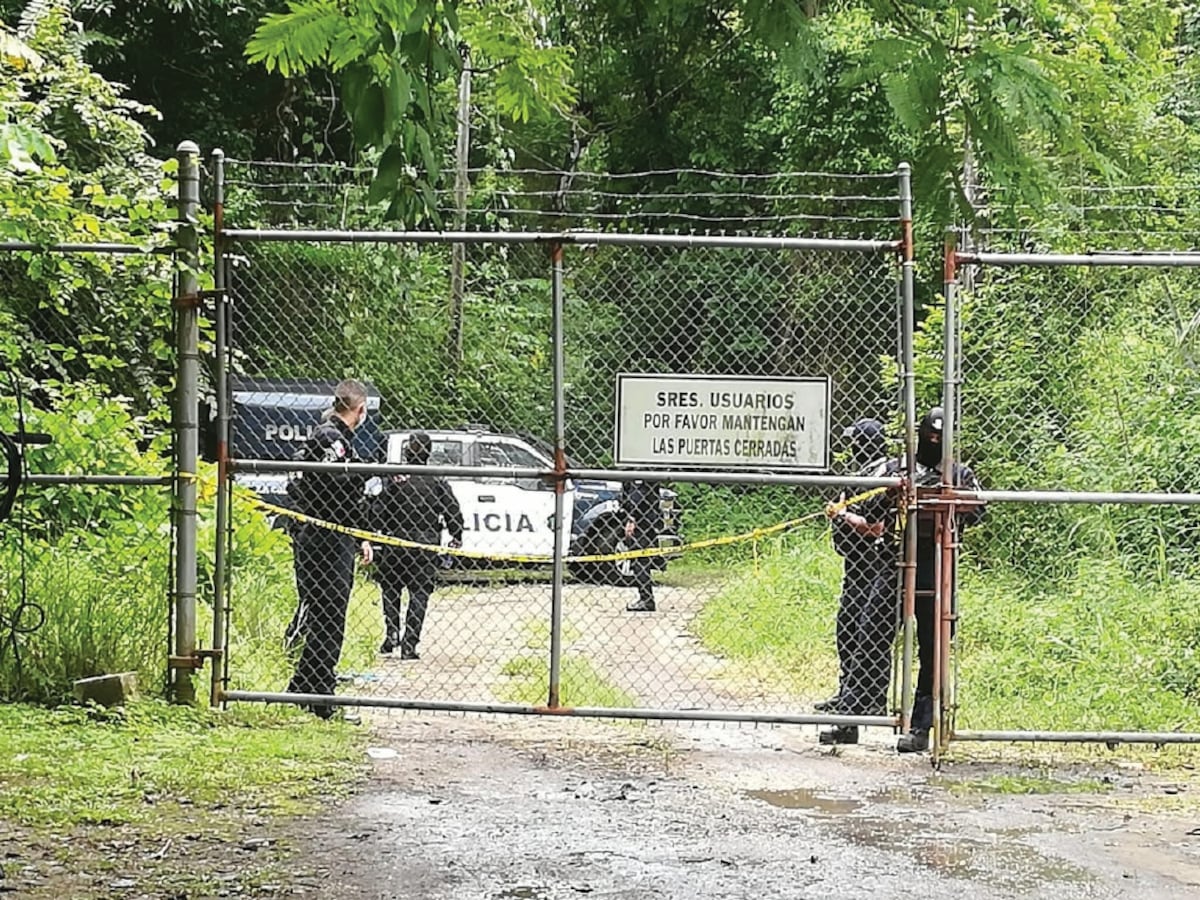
[913, 742]
[839, 734]
[830, 704]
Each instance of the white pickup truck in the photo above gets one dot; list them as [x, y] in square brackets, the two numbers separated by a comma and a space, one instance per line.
[513, 515]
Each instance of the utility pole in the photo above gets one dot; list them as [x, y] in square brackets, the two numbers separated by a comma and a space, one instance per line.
[458, 251]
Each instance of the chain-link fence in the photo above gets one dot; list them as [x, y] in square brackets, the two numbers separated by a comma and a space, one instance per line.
[1078, 410]
[85, 525]
[519, 557]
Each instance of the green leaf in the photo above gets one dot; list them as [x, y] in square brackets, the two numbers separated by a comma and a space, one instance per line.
[387, 173]
[368, 117]
[294, 41]
[396, 99]
[354, 82]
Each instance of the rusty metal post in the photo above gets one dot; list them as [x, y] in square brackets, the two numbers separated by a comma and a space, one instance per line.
[946, 532]
[560, 465]
[939, 535]
[908, 558]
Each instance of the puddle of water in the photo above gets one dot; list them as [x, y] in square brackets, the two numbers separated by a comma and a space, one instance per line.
[522, 892]
[806, 799]
[997, 858]
[827, 804]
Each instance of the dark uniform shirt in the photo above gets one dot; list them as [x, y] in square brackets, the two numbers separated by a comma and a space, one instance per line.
[415, 508]
[927, 518]
[330, 496]
[880, 507]
[640, 502]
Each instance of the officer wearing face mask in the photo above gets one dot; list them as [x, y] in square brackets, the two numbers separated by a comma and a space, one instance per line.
[324, 558]
[928, 473]
[866, 617]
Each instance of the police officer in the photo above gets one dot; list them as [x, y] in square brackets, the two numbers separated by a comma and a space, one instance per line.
[640, 506]
[928, 473]
[866, 617]
[324, 558]
[414, 508]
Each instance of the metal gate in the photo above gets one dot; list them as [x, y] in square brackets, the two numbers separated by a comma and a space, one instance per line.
[1081, 574]
[510, 344]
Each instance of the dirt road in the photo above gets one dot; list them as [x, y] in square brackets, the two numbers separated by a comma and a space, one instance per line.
[477, 808]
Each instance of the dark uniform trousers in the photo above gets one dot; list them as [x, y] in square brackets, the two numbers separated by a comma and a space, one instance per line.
[641, 566]
[416, 570]
[324, 579]
[866, 628]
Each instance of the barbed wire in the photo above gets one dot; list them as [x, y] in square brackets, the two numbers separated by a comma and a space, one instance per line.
[326, 193]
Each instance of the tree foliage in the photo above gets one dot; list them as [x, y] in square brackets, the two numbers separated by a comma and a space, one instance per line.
[392, 57]
[75, 168]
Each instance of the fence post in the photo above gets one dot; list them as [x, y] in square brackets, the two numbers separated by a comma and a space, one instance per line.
[186, 426]
[220, 670]
[560, 465]
[908, 564]
[946, 531]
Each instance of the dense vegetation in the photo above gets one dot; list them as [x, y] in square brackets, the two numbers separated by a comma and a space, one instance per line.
[1072, 378]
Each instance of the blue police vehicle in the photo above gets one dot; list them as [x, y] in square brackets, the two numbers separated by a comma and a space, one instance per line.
[271, 419]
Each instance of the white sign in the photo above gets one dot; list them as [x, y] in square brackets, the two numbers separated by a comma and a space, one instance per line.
[722, 422]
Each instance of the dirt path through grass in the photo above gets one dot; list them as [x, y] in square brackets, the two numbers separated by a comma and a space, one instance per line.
[491, 643]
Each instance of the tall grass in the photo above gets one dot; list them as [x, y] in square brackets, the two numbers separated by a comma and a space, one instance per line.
[775, 615]
[106, 610]
[1100, 648]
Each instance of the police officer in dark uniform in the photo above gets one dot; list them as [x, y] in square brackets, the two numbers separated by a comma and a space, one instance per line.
[928, 473]
[413, 508]
[324, 558]
[640, 506]
[867, 611]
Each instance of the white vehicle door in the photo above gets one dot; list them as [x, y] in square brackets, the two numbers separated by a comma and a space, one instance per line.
[514, 515]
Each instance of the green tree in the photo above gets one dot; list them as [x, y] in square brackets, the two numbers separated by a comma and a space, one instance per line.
[391, 57]
[75, 168]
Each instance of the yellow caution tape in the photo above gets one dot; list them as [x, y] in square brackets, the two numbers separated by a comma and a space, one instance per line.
[647, 552]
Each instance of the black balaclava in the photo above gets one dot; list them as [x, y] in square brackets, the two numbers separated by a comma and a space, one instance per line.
[929, 454]
[868, 443]
[416, 453]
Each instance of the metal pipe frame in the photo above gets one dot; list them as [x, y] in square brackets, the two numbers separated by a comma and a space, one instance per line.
[951, 497]
[187, 345]
[1082, 737]
[598, 712]
[945, 531]
[596, 238]
[908, 564]
[1103, 258]
[560, 483]
[1089, 497]
[99, 247]
[822, 481]
[221, 350]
